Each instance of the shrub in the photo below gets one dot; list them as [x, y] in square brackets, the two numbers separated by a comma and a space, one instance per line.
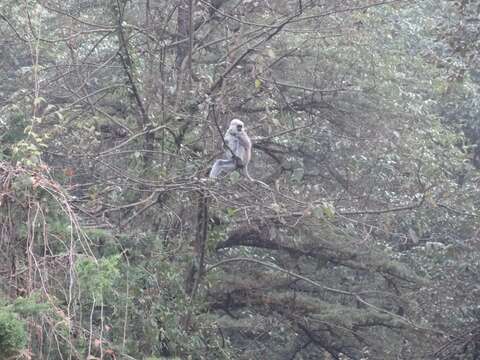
[13, 336]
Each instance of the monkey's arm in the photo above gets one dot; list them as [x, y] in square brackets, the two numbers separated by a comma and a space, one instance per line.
[231, 145]
[245, 143]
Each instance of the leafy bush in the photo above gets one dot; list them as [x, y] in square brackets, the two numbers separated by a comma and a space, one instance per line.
[13, 336]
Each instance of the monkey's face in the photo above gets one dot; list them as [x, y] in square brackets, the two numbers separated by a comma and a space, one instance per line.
[236, 126]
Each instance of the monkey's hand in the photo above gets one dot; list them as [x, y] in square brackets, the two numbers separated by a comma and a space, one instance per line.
[238, 162]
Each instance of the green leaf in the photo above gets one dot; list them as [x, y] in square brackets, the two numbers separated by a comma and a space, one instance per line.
[328, 210]
[38, 100]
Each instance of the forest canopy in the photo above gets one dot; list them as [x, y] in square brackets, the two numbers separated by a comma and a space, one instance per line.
[356, 236]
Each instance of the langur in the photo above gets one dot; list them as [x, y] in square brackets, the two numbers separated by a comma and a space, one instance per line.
[238, 150]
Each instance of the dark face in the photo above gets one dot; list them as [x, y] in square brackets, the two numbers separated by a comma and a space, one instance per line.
[239, 128]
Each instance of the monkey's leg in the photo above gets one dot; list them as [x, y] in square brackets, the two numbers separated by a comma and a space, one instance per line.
[222, 165]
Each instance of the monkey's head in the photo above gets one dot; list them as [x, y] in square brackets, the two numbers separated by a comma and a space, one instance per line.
[236, 126]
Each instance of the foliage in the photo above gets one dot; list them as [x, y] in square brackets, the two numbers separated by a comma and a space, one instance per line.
[97, 278]
[363, 244]
[13, 336]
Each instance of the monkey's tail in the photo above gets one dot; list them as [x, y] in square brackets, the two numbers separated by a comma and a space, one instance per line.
[247, 175]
